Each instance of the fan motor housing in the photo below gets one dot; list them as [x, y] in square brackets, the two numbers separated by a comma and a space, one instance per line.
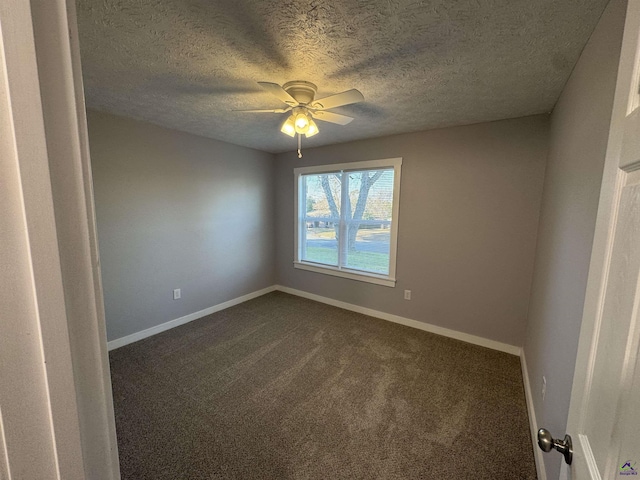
[302, 91]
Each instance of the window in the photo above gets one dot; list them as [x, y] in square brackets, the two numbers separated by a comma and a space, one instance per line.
[347, 219]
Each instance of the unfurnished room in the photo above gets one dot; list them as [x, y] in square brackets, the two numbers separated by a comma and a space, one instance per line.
[381, 239]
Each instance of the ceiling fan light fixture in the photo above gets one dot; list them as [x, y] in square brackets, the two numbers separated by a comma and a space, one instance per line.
[288, 127]
[313, 129]
[302, 123]
[299, 97]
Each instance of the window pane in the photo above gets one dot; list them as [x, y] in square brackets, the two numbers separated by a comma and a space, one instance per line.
[368, 248]
[371, 194]
[323, 195]
[322, 218]
[369, 219]
[321, 244]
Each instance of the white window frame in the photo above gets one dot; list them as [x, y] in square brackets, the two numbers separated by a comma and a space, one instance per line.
[299, 209]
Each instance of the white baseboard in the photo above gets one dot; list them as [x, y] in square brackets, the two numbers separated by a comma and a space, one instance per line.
[445, 332]
[533, 423]
[134, 337]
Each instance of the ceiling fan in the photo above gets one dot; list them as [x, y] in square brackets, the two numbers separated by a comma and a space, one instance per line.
[299, 97]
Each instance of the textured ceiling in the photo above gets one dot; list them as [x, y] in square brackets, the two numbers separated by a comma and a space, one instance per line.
[187, 64]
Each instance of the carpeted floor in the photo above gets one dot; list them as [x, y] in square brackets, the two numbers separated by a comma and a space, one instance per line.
[282, 387]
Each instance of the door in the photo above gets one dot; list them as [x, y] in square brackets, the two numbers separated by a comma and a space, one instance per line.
[604, 414]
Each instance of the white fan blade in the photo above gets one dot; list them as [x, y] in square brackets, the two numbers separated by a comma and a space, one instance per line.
[277, 110]
[331, 117]
[337, 100]
[278, 92]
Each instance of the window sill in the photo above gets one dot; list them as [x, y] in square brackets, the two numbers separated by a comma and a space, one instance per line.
[350, 274]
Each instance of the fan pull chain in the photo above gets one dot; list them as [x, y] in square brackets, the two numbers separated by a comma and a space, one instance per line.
[299, 146]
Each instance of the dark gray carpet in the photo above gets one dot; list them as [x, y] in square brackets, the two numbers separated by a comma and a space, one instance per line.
[286, 388]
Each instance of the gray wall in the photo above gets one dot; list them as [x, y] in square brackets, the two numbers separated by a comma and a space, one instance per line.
[579, 132]
[175, 210]
[469, 204]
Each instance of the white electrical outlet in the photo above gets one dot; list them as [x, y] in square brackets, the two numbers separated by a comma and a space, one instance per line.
[407, 294]
[176, 293]
[544, 387]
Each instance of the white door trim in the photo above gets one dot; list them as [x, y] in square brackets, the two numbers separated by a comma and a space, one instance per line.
[42, 89]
